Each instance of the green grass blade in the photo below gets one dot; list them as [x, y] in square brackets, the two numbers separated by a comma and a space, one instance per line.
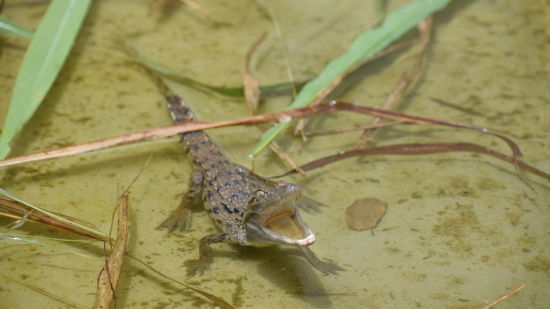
[366, 45]
[43, 60]
[10, 27]
[226, 91]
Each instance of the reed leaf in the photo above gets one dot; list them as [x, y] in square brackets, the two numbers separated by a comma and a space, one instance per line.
[53, 215]
[9, 27]
[225, 91]
[366, 45]
[43, 60]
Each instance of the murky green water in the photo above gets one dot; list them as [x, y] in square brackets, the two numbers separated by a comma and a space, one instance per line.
[461, 229]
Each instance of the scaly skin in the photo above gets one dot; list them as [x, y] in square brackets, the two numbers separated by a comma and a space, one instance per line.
[242, 204]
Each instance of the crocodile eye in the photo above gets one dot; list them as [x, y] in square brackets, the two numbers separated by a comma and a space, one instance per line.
[259, 195]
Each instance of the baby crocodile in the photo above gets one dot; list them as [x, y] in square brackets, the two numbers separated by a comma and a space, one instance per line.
[250, 210]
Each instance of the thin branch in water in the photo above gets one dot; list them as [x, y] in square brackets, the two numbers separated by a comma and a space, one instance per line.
[457, 107]
[44, 292]
[504, 296]
[182, 127]
[18, 210]
[404, 82]
[53, 216]
[356, 128]
[417, 149]
[252, 95]
[322, 95]
[278, 150]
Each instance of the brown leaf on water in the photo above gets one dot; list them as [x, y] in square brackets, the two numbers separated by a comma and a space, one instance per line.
[364, 214]
[110, 273]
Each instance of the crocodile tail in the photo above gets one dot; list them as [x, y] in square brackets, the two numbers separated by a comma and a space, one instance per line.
[177, 107]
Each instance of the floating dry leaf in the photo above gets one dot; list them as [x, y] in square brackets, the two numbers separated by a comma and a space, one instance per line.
[364, 214]
[109, 276]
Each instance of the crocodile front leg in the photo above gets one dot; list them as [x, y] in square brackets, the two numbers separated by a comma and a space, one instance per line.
[205, 253]
[180, 219]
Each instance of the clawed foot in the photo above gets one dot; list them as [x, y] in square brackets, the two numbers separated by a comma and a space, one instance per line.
[195, 267]
[328, 268]
[323, 266]
[178, 221]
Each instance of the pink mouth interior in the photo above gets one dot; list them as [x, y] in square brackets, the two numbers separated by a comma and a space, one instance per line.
[284, 224]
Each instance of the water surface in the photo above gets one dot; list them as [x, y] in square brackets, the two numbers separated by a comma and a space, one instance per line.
[460, 229]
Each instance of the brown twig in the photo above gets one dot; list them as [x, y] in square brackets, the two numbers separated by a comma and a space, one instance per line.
[110, 273]
[322, 95]
[196, 7]
[18, 210]
[182, 127]
[345, 130]
[504, 296]
[404, 82]
[278, 150]
[252, 97]
[417, 149]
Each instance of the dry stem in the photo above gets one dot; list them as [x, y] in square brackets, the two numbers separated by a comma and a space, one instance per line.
[404, 82]
[252, 96]
[504, 296]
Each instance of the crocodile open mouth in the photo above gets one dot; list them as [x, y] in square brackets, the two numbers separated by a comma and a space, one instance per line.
[284, 227]
[272, 217]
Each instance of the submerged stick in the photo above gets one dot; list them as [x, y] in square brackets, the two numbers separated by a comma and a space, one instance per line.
[504, 296]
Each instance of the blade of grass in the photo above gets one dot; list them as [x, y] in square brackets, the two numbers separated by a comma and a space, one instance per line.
[364, 46]
[44, 292]
[25, 239]
[226, 91]
[54, 216]
[9, 27]
[268, 10]
[43, 60]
